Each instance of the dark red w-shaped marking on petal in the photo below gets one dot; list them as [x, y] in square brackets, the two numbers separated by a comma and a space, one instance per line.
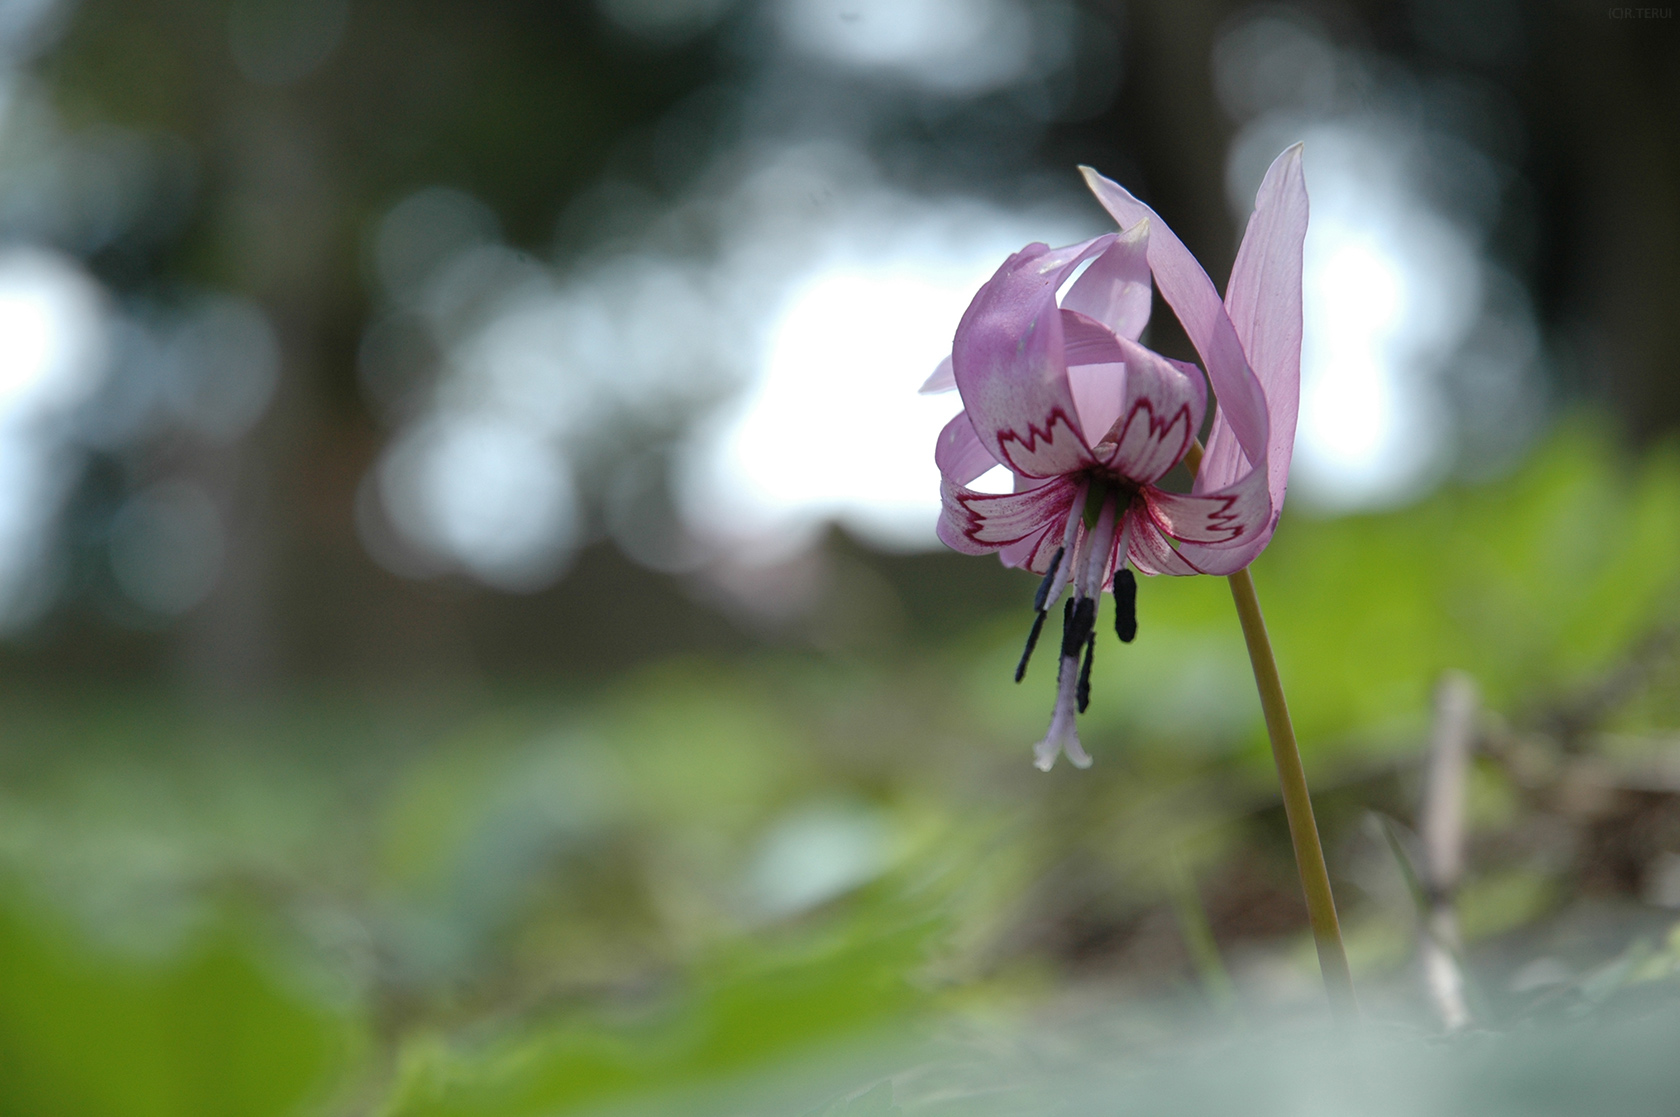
[1030, 442]
[1005, 518]
[1224, 519]
[1219, 521]
[1155, 433]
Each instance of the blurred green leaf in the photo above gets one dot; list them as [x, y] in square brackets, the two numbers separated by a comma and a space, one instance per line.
[207, 1032]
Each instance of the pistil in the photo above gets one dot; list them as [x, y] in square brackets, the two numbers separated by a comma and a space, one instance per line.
[1079, 622]
[1063, 735]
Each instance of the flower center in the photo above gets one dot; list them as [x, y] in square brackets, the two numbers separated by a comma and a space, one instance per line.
[1103, 483]
[1080, 565]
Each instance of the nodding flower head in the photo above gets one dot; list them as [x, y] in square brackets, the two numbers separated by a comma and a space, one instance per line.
[1056, 388]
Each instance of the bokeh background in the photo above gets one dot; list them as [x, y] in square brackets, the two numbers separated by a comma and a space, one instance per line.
[474, 641]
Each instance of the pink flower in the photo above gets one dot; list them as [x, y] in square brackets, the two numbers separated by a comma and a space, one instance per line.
[1089, 421]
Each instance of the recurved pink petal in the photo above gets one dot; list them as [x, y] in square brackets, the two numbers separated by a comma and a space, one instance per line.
[959, 453]
[1034, 552]
[975, 523]
[1115, 289]
[1096, 373]
[1223, 518]
[1085, 341]
[1160, 413]
[1193, 297]
[1097, 391]
[1263, 300]
[949, 529]
[942, 380]
[1009, 364]
[1148, 548]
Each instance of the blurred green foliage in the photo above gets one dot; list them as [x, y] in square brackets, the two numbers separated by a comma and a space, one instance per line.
[210, 1029]
[744, 1007]
[766, 883]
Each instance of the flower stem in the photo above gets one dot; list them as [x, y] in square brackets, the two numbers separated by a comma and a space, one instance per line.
[1297, 802]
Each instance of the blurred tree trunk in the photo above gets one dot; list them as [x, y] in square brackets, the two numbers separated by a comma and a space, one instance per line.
[277, 215]
[1612, 87]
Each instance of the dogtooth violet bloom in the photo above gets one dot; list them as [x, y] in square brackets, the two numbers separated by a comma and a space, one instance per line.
[1088, 420]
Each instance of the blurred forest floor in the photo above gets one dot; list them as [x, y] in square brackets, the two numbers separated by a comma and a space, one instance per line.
[827, 880]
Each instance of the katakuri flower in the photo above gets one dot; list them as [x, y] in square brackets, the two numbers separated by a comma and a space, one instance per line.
[1089, 421]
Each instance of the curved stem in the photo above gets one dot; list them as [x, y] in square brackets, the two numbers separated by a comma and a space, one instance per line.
[1297, 802]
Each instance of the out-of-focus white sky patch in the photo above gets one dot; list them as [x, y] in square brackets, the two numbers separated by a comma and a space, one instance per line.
[1390, 290]
[948, 46]
[834, 429]
[1353, 420]
[831, 427]
[52, 358]
[820, 435]
[823, 301]
[487, 490]
[52, 342]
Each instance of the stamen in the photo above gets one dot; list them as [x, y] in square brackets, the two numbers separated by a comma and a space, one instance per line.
[1084, 690]
[1079, 619]
[1125, 605]
[1041, 599]
[1032, 642]
[1062, 572]
[1040, 603]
